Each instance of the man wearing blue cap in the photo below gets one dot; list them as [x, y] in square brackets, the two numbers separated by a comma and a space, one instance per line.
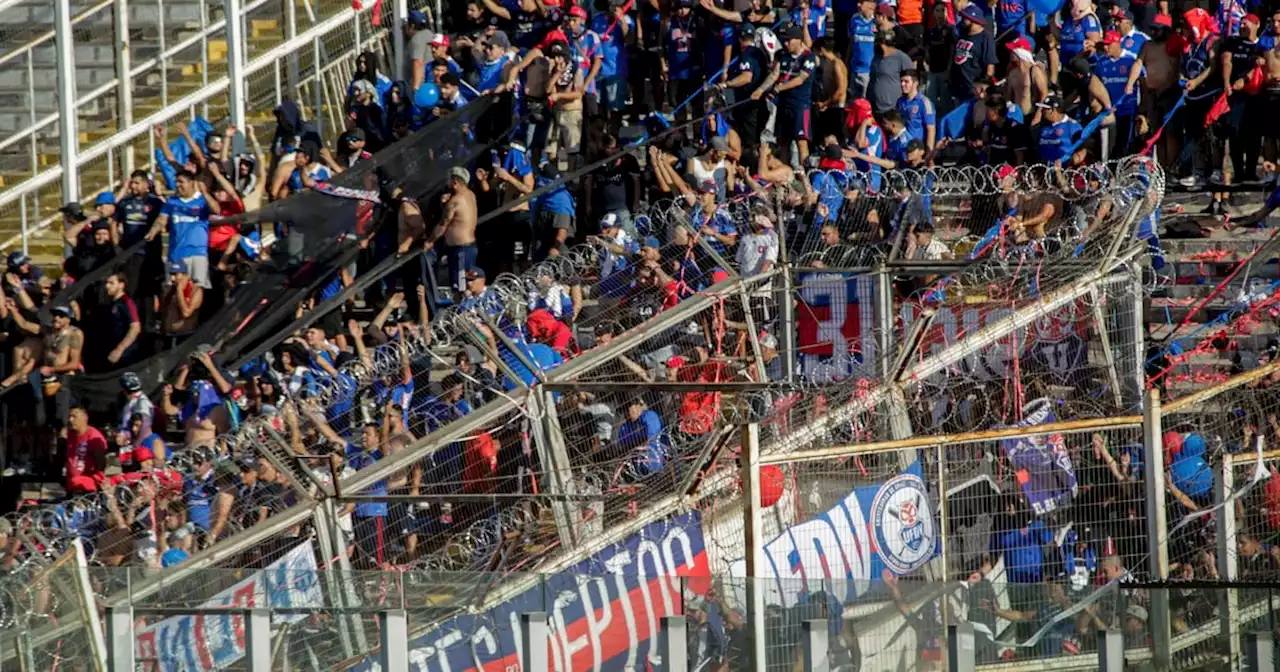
[105, 204]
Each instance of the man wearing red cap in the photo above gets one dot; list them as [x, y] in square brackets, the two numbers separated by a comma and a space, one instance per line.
[1114, 86]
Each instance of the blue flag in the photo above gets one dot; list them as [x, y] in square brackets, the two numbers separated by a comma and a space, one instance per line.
[954, 125]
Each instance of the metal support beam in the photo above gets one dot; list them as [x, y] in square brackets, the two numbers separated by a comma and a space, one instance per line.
[673, 645]
[124, 81]
[87, 606]
[346, 595]
[68, 131]
[329, 537]
[533, 641]
[817, 656]
[235, 62]
[399, 59]
[1157, 528]
[258, 638]
[753, 531]
[554, 457]
[1227, 550]
[961, 648]
[394, 641]
[120, 639]
[1104, 338]
[1260, 652]
[1136, 380]
[884, 324]
[1110, 651]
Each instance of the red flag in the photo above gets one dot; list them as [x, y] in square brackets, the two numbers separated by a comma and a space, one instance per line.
[377, 13]
[1253, 84]
[1220, 107]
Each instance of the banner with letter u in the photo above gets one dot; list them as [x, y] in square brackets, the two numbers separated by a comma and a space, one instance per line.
[201, 643]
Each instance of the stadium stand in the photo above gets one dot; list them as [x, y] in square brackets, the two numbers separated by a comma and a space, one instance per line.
[518, 309]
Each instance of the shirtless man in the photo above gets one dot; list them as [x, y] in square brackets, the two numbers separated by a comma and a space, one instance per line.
[61, 353]
[1160, 85]
[458, 227]
[1270, 96]
[1027, 82]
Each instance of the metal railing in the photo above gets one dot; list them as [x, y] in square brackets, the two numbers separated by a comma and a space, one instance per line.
[325, 47]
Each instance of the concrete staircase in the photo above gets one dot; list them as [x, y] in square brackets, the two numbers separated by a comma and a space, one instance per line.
[1196, 268]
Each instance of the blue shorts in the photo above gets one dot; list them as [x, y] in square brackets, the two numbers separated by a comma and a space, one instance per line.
[791, 123]
[462, 258]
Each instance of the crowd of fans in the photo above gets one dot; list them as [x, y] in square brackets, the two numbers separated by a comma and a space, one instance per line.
[781, 100]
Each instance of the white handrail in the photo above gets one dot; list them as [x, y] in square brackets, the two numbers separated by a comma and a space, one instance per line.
[178, 108]
[48, 35]
[213, 30]
[123, 137]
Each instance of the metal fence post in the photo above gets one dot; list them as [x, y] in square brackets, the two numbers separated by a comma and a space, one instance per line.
[1228, 599]
[1259, 655]
[120, 639]
[816, 656]
[961, 648]
[1157, 527]
[258, 640]
[235, 63]
[394, 632]
[124, 80]
[68, 134]
[399, 13]
[753, 532]
[1110, 651]
[533, 641]
[674, 651]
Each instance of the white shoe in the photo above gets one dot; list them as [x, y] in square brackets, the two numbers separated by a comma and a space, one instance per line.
[1191, 182]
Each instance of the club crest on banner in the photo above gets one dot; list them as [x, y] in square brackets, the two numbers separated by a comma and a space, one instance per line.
[904, 526]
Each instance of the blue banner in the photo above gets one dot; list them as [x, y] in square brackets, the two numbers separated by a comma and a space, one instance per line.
[889, 526]
[206, 642]
[1041, 463]
[601, 612]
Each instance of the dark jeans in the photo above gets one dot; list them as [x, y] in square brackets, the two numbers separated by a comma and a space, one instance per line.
[59, 402]
[1247, 119]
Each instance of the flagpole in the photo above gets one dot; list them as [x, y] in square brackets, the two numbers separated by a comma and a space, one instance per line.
[942, 535]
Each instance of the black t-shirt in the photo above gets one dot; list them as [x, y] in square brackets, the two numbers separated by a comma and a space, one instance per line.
[119, 314]
[973, 54]
[790, 67]
[940, 48]
[1004, 140]
[136, 214]
[754, 61]
[1243, 53]
[612, 183]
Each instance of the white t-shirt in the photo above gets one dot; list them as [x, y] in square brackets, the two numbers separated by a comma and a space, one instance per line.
[754, 249]
[934, 251]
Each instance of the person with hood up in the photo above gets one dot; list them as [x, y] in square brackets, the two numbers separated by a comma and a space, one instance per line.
[367, 70]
